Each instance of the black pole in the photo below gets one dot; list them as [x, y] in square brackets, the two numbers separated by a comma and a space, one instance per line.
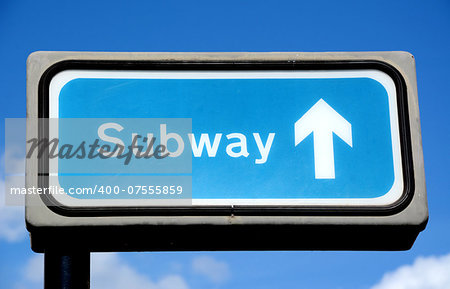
[67, 270]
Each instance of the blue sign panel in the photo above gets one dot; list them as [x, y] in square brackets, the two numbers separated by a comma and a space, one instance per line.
[240, 137]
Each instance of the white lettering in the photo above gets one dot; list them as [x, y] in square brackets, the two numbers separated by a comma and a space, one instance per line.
[204, 141]
[242, 144]
[264, 150]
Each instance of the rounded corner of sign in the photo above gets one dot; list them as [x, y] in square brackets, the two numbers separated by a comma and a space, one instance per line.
[384, 79]
[34, 56]
[59, 70]
[396, 199]
[61, 79]
[30, 224]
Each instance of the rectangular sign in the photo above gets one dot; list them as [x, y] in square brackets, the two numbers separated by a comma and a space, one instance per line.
[154, 151]
[244, 137]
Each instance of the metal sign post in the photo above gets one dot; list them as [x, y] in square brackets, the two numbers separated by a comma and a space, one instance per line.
[66, 269]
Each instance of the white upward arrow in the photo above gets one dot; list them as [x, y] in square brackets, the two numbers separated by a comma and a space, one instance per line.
[323, 120]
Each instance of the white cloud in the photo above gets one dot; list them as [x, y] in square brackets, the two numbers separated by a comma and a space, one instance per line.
[425, 273]
[215, 271]
[34, 270]
[32, 273]
[12, 220]
[14, 157]
[109, 271]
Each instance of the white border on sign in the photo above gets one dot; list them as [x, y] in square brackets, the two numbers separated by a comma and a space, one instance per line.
[393, 195]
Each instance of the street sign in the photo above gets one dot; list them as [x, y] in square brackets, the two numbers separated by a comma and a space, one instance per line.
[240, 143]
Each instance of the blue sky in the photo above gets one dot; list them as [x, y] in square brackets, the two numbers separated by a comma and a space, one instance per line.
[420, 27]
